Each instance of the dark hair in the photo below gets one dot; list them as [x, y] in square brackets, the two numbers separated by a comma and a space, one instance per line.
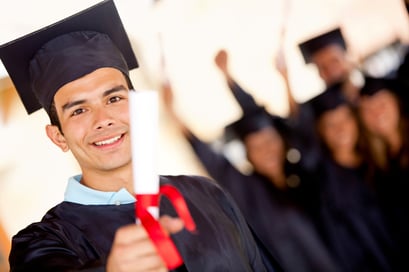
[54, 116]
[381, 149]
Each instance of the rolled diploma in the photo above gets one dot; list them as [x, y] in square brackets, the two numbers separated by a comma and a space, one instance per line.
[144, 125]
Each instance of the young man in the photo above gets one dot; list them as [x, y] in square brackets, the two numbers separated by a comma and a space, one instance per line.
[328, 52]
[78, 71]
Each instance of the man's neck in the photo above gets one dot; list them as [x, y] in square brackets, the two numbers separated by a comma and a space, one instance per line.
[108, 181]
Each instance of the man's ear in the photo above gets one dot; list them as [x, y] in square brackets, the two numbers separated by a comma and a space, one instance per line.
[55, 135]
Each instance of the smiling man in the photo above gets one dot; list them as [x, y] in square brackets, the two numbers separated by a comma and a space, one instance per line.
[78, 71]
[93, 115]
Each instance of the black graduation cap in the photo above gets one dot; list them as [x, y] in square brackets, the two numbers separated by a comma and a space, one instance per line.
[310, 47]
[373, 85]
[253, 121]
[43, 61]
[329, 99]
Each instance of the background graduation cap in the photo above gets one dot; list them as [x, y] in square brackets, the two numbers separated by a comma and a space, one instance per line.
[373, 85]
[253, 121]
[329, 99]
[16, 55]
[310, 47]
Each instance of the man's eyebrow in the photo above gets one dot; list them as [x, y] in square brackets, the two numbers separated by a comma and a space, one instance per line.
[71, 104]
[115, 89]
[106, 93]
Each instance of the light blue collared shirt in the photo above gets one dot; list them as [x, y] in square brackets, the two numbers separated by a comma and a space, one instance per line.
[80, 194]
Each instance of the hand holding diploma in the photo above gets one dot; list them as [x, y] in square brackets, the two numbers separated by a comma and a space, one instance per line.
[134, 251]
[144, 134]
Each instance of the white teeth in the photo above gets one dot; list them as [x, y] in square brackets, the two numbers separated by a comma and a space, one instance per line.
[109, 141]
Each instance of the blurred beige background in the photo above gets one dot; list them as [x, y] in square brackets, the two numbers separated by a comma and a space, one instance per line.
[33, 172]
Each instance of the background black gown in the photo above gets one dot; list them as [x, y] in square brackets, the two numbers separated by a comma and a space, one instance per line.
[276, 218]
[352, 222]
[392, 188]
[75, 237]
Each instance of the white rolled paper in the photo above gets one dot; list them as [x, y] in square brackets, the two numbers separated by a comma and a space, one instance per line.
[144, 125]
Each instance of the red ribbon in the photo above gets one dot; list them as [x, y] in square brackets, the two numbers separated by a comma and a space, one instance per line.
[161, 239]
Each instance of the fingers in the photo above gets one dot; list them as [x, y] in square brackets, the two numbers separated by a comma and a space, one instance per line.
[132, 250]
[170, 224]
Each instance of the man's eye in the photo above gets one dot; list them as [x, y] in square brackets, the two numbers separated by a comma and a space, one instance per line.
[114, 99]
[77, 111]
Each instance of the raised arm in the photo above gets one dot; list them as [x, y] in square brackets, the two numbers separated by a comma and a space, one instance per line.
[243, 98]
[280, 64]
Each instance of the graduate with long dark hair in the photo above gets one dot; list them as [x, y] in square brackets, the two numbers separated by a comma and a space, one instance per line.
[352, 222]
[382, 109]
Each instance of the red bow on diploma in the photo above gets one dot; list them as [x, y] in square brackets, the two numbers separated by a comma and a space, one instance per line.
[164, 244]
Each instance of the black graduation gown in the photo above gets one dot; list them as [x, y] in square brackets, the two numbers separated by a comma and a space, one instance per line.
[352, 222]
[74, 237]
[287, 232]
[392, 188]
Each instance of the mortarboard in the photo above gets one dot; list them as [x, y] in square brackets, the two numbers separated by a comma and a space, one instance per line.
[254, 121]
[373, 85]
[329, 99]
[310, 47]
[43, 61]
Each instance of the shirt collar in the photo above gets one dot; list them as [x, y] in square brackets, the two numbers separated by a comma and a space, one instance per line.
[78, 193]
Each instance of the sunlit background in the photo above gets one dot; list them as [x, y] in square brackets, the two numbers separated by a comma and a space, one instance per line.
[33, 172]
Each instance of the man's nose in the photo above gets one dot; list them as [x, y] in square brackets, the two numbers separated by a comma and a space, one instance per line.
[102, 119]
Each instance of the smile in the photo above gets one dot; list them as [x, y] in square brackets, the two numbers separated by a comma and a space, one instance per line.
[108, 141]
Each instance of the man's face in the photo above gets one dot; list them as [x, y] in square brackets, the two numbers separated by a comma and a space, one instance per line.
[332, 64]
[93, 112]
